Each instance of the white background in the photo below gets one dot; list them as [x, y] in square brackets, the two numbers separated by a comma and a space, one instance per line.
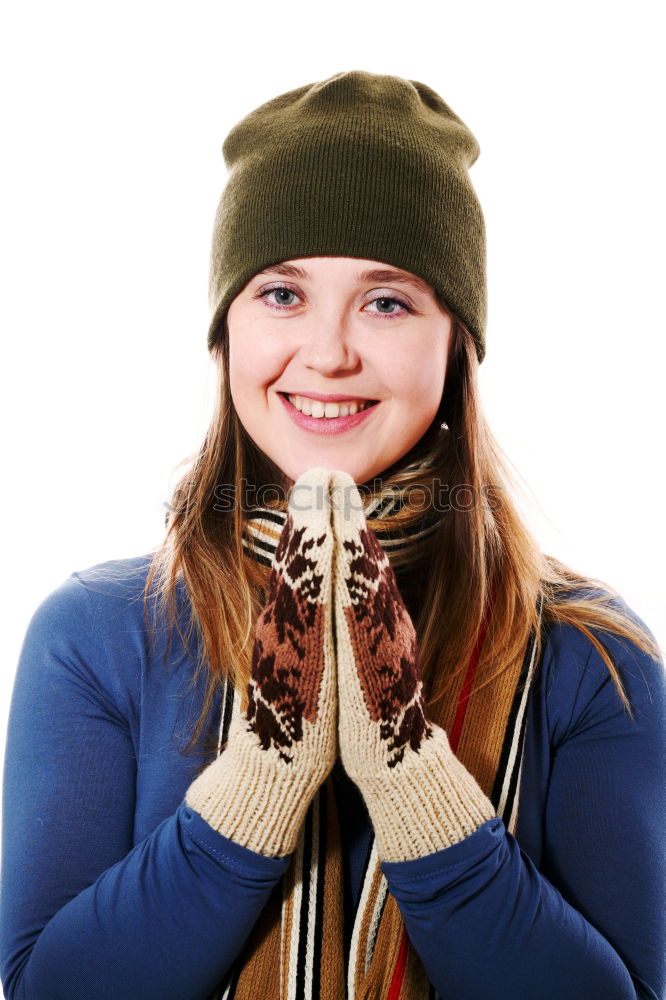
[112, 123]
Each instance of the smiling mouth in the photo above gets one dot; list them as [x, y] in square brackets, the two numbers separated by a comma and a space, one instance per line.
[320, 410]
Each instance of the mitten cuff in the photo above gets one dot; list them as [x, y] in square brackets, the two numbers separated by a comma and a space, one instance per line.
[427, 802]
[257, 802]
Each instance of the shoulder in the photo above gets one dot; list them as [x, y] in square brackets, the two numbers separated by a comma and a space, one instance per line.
[579, 689]
[82, 595]
[90, 634]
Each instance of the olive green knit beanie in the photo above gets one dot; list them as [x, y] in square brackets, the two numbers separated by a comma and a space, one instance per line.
[357, 165]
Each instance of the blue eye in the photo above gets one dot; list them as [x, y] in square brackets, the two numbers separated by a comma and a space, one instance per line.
[390, 299]
[282, 289]
[279, 288]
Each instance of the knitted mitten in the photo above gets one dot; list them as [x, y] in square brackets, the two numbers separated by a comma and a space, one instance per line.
[283, 747]
[419, 796]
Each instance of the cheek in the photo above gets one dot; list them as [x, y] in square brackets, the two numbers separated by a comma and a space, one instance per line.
[253, 364]
[419, 384]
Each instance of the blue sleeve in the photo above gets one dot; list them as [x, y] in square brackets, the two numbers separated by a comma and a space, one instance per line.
[83, 912]
[592, 922]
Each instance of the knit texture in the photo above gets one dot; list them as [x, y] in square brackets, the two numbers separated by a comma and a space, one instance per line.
[282, 748]
[358, 165]
[419, 796]
[423, 792]
[296, 947]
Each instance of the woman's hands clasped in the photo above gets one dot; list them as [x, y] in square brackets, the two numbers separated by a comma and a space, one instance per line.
[335, 668]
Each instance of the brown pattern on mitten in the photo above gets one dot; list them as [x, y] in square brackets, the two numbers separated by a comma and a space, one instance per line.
[385, 649]
[288, 654]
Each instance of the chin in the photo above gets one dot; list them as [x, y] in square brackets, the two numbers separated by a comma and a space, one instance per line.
[363, 474]
[296, 469]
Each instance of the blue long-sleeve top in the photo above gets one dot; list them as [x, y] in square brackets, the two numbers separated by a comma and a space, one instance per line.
[113, 888]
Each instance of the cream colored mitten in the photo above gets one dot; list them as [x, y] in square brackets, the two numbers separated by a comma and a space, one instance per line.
[283, 747]
[420, 798]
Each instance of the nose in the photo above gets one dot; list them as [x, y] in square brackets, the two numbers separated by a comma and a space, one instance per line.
[328, 347]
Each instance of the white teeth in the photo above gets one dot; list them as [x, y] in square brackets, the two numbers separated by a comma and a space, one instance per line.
[316, 408]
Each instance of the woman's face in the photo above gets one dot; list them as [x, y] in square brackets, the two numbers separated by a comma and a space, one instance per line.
[331, 327]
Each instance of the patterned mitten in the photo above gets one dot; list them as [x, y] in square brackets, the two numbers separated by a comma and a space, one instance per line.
[420, 798]
[282, 748]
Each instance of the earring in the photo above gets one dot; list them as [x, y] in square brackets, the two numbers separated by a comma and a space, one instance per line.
[444, 426]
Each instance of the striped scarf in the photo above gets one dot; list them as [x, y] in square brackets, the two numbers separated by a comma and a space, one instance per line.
[296, 949]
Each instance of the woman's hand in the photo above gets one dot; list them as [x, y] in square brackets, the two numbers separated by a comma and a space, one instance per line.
[292, 690]
[420, 797]
[281, 749]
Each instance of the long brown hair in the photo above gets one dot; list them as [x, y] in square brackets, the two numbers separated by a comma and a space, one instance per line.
[478, 545]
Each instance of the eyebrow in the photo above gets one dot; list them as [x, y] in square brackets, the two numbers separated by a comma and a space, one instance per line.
[377, 274]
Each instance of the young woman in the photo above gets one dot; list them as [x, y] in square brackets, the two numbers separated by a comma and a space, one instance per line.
[348, 731]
